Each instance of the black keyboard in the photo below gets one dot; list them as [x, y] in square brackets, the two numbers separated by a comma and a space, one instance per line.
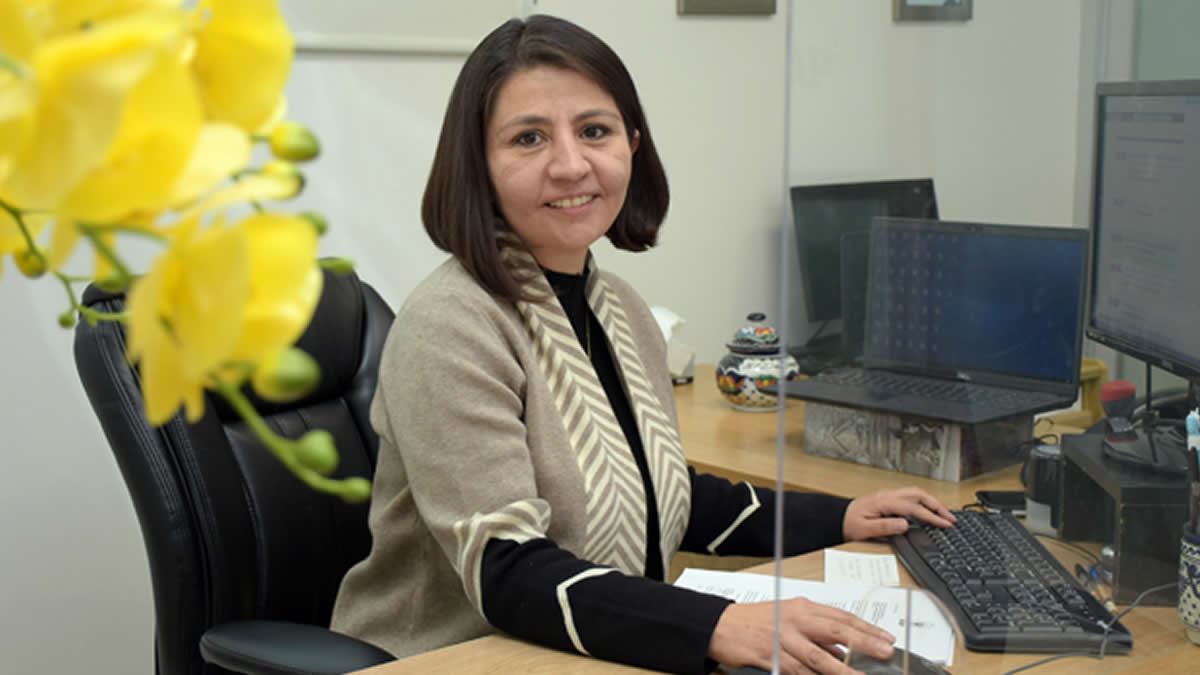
[926, 387]
[1005, 590]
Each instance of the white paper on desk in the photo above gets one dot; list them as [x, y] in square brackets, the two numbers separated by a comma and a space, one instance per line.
[863, 569]
[932, 634]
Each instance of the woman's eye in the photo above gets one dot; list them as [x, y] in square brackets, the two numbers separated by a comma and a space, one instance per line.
[527, 139]
[595, 131]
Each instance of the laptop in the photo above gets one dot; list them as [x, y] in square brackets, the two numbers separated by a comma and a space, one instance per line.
[965, 322]
[854, 252]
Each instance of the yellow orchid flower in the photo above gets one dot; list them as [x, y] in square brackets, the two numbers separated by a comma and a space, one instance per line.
[242, 60]
[18, 95]
[185, 316]
[17, 99]
[220, 151]
[251, 187]
[67, 233]
[83, 81]
[285, 284]
[159, 128]
[18, 31]
[54, 18]
[219, 295]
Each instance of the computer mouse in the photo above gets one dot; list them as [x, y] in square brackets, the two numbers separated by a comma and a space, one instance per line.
[870, 666]
[895, 666]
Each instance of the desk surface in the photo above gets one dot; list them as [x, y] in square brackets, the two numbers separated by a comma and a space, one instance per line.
[742, 446]
[1159, 643]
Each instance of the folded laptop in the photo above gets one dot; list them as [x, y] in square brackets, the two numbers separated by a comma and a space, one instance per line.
[965, 322]
[855, 254]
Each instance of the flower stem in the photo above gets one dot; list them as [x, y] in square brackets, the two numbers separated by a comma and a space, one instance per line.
[88, 313]
[283, 448]
[129, 229]
[106, 251]
[14, 66]
[29, 243]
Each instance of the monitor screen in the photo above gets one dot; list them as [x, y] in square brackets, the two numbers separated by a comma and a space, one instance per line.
[1145, 286]
[824, 213]
[990, 301]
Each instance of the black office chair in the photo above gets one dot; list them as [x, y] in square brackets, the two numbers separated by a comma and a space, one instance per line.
[245, 559]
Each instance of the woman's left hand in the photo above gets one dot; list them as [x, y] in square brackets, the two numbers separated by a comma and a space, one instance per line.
[885, 513]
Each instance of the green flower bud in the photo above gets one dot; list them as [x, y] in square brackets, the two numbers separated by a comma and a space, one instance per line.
[284, 169]
[340, 266]
[31, 261]
[356, 490]
[114, 284]
[295, 142]
[67, 319]
[316, 451]
[318, 221]
[286, 375]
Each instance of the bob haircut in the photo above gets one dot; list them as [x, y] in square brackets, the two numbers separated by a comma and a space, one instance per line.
[459, 206]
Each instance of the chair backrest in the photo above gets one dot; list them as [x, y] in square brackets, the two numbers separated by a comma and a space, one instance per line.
[230, 534]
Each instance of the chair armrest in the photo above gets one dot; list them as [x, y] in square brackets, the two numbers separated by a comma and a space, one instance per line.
[284, 648]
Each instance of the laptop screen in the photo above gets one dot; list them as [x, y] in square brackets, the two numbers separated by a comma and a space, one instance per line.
[989, 303]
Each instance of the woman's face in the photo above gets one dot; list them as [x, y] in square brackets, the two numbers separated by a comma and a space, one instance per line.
[559, 162]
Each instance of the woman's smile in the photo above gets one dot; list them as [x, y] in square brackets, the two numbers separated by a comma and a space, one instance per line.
[559, 158]
[571, 202]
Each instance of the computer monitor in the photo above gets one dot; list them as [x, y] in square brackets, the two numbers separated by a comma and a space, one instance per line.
[832, 222]
[1145, 280]
[823, 213]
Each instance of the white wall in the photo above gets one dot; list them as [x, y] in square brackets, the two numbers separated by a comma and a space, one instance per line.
[987, 107]
[1167, 48]
[74, 591]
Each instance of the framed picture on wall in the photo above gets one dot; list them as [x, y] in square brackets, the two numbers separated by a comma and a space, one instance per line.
[931, 10]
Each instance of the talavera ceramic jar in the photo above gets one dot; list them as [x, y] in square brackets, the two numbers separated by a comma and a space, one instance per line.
[1189, 584]
[754, 361]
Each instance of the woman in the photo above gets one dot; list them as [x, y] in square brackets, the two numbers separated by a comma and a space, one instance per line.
[530, 477]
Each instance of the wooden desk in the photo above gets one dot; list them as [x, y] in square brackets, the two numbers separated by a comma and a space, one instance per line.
[1160, 645]
[741, 446]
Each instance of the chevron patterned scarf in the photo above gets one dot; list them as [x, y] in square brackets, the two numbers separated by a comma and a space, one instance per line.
[616, 502]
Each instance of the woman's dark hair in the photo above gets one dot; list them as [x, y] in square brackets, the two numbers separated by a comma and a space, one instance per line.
[459, 207]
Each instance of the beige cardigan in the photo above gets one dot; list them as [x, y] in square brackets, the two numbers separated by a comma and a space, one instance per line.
[472, 446]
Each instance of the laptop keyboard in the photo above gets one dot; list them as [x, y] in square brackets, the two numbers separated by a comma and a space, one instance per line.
[930, 388]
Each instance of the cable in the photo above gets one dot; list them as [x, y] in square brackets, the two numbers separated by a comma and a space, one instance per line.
[1107, 633]
[1135, 603]
[1064, 655]
[1090, 578]
[1091, 556]
[1045, 438]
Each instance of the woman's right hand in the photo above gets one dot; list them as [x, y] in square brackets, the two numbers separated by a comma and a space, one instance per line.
[811, 637]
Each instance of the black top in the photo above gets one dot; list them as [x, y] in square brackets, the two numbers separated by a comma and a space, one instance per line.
[640, 620]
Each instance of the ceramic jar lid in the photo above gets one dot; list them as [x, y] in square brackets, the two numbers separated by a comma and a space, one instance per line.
[755, 337]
